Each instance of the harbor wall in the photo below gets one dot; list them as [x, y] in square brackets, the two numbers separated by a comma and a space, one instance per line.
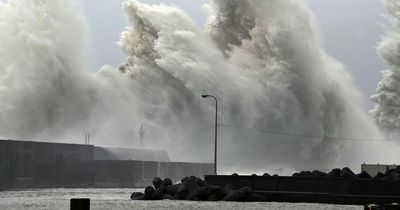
[330, 185]
[31, 164]
[329, 190]
[25, 164]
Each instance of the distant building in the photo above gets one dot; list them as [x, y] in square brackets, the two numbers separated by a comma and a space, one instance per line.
[374, 169]
[110, 153]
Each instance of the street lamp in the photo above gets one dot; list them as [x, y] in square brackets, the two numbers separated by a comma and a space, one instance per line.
[216, 126]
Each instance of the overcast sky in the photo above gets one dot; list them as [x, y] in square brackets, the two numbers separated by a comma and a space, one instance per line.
[349, 30]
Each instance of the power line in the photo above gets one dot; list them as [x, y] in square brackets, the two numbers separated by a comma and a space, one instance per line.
[325, 138]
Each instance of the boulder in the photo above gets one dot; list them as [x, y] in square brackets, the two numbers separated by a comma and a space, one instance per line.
[157, 182]
[167, 197]
[254, 197]
[228, 189]
[158, 193]
[318, 174]
[334, 173]
[148, 191]
[136, 195]
[234, 196]
[246, 190]
[172, 189]
[266, 175]
[200, 182]
[184, 179]
[167, 182]
[238, 195]
[364, 175]
[305, 174]
[187, 187]
[200, 193]
[347, 173]
[379, 175]
[215, 193]
[392, 174]
[139, 198]
[214, 189]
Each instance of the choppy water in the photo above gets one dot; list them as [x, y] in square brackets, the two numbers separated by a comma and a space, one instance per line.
[119, 199]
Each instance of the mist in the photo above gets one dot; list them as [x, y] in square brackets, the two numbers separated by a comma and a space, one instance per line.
[283, 100]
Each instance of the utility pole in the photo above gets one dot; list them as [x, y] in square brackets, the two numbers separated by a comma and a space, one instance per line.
[216, 130]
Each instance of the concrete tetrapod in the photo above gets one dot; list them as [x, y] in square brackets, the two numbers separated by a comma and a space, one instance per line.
[195, 189]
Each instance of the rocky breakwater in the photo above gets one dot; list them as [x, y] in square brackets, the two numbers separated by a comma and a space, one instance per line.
[273, 188]
[195, 189]
[391, 174]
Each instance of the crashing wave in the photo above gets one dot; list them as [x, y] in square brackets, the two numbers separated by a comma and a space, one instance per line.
[261, 59]
[386, 112]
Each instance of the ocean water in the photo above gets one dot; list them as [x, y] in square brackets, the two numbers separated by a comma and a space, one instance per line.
[119, 199]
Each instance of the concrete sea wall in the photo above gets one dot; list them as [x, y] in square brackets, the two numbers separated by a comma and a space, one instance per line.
[31, 164]
[26, 164]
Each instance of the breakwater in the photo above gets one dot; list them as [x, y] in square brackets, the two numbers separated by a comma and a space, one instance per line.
[349, 190]
[339, 186]
[25, 164]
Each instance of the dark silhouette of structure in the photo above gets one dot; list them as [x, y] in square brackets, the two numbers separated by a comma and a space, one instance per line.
[25, 164]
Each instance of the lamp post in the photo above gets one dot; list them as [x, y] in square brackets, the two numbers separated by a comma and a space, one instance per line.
[216, 127]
